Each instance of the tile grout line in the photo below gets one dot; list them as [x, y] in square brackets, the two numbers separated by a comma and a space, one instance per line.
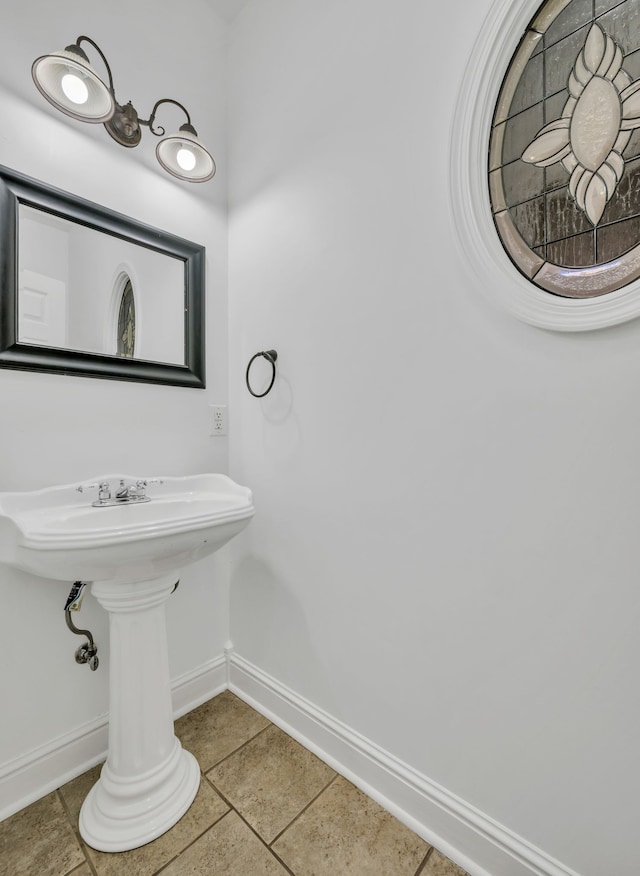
[76, 833]
[251, 828]
[235, 750]
[199, 836]
[188, 846]
[424, 862]
[304, 809]
[282, 863]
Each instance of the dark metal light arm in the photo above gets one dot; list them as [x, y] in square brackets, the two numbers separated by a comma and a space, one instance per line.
[160, 131]
[86, 39]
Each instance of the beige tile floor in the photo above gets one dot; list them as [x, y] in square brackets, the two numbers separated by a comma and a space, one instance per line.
[266, 807]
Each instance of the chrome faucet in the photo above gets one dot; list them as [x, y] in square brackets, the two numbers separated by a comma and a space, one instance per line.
[125, 494]
[132, 492]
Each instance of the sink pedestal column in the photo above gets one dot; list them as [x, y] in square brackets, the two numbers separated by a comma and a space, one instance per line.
[149, 780]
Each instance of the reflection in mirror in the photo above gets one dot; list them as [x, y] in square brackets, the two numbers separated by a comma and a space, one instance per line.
[87, 291]
[127, 322]
[71, 283]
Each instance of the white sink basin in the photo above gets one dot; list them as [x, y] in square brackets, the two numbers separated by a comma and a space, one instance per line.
[132, 554]
[56, 533]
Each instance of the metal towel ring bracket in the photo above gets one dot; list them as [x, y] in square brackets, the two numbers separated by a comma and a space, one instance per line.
[270, 356]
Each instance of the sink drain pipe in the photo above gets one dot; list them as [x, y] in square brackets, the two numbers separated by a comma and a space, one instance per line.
[87, 653]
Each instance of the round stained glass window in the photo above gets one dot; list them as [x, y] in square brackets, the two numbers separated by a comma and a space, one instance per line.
[564, 157]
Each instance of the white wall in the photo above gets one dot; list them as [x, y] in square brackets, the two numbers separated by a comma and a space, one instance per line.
[445, 553]
[58, 429]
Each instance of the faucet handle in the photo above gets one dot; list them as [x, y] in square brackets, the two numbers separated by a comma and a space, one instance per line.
[103, 488]
[141, 486]
[142, 483]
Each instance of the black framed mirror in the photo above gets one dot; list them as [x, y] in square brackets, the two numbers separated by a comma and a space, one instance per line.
[88, 291]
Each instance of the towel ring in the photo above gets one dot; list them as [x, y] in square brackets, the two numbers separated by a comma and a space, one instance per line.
[270, 356]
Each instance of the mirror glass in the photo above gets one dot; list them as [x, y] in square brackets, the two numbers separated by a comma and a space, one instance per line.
[73, 282]
[91, 292]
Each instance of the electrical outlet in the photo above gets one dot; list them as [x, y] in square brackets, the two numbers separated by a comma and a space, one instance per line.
[218, 420]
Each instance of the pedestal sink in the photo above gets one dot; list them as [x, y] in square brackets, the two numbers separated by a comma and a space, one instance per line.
[132, 552]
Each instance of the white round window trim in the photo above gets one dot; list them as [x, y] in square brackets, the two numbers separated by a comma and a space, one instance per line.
[474, 228]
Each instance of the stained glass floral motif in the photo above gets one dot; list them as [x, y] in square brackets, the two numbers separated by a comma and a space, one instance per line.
[595, 126]
[564, 154]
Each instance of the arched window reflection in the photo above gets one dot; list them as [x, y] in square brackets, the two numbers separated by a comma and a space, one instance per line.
[127, 323]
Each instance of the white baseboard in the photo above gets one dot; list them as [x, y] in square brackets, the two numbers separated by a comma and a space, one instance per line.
[31, 776]
[473, 840]
[36, 773]
[196, 687]
[467, 836]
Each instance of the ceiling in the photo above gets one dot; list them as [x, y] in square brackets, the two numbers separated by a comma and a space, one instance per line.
[227, 9]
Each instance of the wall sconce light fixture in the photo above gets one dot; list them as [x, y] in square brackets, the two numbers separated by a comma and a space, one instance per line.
[69, 82]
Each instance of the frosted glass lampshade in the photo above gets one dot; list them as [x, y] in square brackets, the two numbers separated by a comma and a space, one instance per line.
[83, 95]
[184, 156]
